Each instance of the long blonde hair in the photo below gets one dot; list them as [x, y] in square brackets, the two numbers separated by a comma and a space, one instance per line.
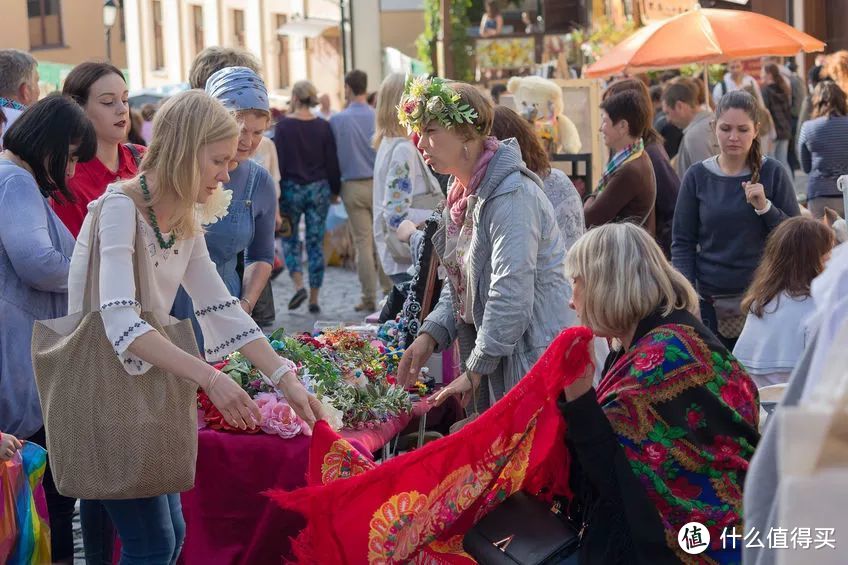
[388, 98]
[181, 128]
[626, 277]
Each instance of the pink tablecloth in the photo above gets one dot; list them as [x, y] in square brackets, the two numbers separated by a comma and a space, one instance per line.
[227, 518]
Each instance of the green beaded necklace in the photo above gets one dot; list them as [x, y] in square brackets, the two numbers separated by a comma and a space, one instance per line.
[153, 222]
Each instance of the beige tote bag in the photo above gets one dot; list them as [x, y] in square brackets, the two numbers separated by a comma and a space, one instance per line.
[112, 435]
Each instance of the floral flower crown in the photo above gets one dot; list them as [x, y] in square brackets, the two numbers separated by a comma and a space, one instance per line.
[427, 99]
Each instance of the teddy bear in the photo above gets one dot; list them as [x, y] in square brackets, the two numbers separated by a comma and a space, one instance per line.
[540, 101]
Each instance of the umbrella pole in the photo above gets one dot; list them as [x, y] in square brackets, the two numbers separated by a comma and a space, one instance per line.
[707, 86]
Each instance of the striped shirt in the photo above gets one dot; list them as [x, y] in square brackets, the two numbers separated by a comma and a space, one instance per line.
[823, 148]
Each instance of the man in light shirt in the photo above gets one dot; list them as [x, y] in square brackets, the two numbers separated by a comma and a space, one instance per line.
[681, 107]
[736, 79]
[18, 84]
[353, 129]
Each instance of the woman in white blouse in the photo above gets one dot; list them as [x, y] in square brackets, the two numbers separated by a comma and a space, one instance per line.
[194, 141]
[779, 304]
[400, 176]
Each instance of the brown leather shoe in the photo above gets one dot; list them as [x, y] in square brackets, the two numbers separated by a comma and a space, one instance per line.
[365, 307]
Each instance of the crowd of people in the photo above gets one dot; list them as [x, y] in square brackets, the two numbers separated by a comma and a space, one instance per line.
[691, 261]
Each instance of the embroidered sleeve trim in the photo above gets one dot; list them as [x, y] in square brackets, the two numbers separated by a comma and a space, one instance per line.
[122, 303]
[136, 364]
[216, 307]
[225, 346]
[131, 332]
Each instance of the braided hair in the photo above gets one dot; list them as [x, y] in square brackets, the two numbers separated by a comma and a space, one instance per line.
[741, 100]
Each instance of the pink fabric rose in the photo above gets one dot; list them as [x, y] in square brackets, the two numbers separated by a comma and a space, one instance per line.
[278, 418]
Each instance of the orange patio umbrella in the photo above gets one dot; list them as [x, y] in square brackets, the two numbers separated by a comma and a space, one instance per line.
[703, 36]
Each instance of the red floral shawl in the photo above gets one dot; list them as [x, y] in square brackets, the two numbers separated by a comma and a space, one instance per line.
[686, 414]
[416, 507]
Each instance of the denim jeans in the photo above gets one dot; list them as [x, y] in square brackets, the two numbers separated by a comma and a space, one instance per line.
[151, 530]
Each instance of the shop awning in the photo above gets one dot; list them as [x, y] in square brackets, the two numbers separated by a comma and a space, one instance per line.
[308, 27]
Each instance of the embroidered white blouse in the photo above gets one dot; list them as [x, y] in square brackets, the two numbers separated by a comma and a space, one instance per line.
[399, 176]
[225, 325]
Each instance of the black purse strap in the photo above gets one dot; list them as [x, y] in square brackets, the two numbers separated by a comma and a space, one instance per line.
[136, 154]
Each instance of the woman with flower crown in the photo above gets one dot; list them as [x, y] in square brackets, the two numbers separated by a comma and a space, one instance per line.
[156, 216]
[505, 297]
[247, 223]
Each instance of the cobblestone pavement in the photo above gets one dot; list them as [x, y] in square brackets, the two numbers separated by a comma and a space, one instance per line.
[339, 295]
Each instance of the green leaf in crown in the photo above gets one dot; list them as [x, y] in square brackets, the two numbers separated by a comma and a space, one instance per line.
[427, 99]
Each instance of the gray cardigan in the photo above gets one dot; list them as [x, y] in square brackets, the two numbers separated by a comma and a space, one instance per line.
[517, 259]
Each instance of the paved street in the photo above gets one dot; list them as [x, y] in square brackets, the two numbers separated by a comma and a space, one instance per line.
[338, 297]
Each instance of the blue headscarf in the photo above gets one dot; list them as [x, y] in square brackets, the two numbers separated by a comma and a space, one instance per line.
[239, 88]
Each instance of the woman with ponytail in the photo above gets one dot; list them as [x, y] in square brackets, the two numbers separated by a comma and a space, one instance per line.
[727, 206]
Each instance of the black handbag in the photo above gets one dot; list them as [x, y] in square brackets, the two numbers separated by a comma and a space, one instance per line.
[522, 530]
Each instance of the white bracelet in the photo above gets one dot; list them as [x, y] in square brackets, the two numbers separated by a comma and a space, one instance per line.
[277, 375]
[764, 210]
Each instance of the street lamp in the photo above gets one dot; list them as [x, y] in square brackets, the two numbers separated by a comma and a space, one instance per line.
[110, 14]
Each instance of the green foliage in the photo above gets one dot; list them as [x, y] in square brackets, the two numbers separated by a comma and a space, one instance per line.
[426, 42]
[460, 48]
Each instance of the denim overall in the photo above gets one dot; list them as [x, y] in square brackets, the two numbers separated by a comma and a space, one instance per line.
[225, 239]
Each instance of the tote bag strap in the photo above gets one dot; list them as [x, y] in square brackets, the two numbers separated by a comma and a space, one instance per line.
[91, 294]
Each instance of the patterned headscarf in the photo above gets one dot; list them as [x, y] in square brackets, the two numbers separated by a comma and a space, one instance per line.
[239, 88]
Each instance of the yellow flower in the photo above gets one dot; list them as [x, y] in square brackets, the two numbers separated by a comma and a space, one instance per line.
[418, 88]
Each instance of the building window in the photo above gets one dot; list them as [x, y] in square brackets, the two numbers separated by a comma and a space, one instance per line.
[282, 54]
[45, 23]
[197, 20]
[158, 36]
[238, 28]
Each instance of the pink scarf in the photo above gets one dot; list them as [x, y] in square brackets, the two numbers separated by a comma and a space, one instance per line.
[458, 195]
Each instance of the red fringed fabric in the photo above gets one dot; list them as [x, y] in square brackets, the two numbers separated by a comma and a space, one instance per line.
[417, 507]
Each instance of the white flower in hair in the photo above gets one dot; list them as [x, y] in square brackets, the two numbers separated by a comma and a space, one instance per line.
[216, 207]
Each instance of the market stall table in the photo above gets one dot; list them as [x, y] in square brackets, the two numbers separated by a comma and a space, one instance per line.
[228, 520]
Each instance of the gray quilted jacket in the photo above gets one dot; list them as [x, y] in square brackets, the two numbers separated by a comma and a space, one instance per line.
[520, 292]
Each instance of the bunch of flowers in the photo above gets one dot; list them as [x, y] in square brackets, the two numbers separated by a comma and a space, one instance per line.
[347, 373]
[430, 99]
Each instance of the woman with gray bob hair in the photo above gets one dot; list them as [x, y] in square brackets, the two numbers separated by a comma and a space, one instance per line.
[666, 436]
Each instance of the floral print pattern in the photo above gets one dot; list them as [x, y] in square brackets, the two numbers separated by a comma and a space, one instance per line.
[343, 462]
[410, 520]
[686, 416]
[457, 244]
[398, 193]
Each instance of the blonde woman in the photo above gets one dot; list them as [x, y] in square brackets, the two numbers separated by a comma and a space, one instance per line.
[154, 217]
[401, 179]
[667, 436]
